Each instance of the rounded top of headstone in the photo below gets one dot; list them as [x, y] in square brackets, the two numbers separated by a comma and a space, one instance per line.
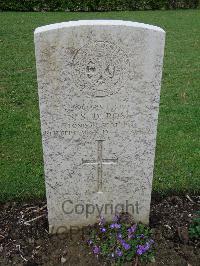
[97, 23]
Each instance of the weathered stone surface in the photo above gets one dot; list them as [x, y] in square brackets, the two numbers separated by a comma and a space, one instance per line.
[99, 87]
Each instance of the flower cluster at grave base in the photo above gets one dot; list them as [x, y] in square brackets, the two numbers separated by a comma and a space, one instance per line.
[120, 241]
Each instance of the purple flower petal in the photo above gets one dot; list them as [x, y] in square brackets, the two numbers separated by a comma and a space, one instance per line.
[96, 250]
[89, 242]
[130, 236]
[119, 252]
[140, 236]
[151, 241]
[103, 230]
[139, 252]
[117, 225]
[143, 248]
[129, 231]
[126, 246]
[116, 218]
[112, 226]
[132, 229]
[119, 236]
[147, 246]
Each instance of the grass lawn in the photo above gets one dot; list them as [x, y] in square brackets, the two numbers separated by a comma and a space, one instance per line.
[177, 169]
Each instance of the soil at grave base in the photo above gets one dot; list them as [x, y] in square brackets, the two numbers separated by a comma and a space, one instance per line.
[30, 244]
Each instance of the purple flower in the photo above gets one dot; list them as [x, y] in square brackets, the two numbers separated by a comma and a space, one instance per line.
[132, 229]
[143, 248]
[122, 241]
[116, 218]
[147, 246]
[115, 225]
[130, 236]
[96, 250]
[90, 242]
[103, 230]
[126, 246]
[151, 241]
[119, 236]
[112, 226]
[119, 252]
[140, 250]
[140, 236]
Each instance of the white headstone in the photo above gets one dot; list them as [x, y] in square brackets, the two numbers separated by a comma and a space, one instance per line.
[99, 88]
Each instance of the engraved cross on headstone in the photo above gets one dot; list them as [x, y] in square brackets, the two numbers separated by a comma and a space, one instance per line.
[100, 162]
